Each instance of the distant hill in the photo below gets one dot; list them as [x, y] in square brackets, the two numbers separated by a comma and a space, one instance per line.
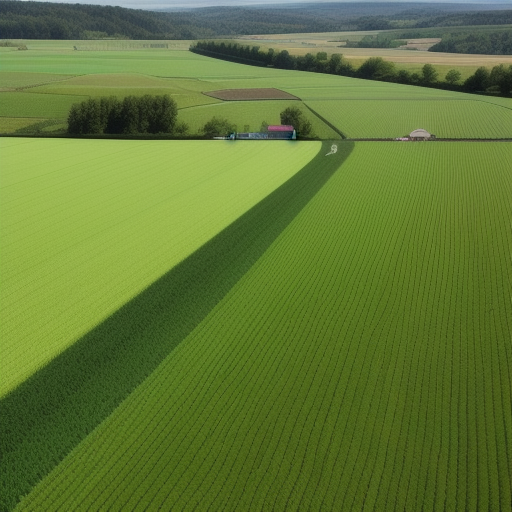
[45, 20]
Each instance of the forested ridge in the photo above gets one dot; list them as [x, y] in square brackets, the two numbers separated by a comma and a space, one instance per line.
[46, 20]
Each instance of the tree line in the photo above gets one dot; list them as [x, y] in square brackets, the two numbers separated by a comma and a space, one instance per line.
[483, 41]
[487, 43]
[47, 20]
[497, 81]
[133, 115]
[377, 41]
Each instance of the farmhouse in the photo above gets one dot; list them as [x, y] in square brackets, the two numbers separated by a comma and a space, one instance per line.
[274, 132]
[281, 131]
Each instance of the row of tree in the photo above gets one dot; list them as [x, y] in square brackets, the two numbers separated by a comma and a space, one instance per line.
[496, 81]
[377, 41]
[132, 115]
[487, 43]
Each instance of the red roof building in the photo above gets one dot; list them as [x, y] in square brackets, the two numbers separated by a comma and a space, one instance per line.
[280, 128]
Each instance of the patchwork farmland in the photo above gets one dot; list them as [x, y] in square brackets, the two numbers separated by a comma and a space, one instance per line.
[275, 326]
[336, 106]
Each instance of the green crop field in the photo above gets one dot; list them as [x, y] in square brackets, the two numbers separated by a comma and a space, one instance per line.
[362, 362]
[397, 118]
[185, 92]
[13, 124]
[28, 104]
[263, 326]
[77, 218]
[182, 64]
[12, 80]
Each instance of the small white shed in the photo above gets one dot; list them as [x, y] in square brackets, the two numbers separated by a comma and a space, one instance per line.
[420, 134]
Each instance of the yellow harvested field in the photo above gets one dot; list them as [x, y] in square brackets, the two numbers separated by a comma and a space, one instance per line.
[331, 42]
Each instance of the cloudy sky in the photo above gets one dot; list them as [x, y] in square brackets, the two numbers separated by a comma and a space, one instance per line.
[162, 4]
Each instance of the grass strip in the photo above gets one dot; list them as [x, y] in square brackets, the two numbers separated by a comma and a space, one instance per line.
[50, 413]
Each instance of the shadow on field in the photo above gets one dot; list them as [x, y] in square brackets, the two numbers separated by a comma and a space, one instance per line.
[49, 414]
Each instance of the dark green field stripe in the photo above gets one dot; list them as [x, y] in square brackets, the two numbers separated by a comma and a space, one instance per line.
[50, 413]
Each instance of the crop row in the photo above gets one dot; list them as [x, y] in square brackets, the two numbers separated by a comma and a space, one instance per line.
[45, 417]
[363, 362]
[86, 225]
[445, 118]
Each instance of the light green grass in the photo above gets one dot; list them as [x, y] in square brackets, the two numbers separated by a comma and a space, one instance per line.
[182, 97]
[148, 62]
[184, 92]
[334, 87]
[11, 80]
[390, 119]
[86, 225]
[103, 45]
[251, 114]
[363, 363]
[30, 104]
[11, 124]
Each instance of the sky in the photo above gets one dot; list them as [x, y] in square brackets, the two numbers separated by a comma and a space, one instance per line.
[163, 4]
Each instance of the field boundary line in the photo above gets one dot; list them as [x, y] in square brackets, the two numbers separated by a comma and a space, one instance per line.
[331, 126]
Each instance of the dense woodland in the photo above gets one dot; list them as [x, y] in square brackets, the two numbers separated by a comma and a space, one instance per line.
[499, 43]
[496, 81]
[45, 20]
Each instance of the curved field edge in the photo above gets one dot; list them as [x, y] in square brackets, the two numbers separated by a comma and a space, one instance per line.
[49, 414]
[86, 225]
[363, 363]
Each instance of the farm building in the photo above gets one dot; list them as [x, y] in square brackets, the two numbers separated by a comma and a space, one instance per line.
[421, 134]
[274, 132]
[281, 131]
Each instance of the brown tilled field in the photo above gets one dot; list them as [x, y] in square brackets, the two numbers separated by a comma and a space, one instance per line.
[251, 94]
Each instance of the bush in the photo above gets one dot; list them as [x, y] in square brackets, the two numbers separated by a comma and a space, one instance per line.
[452, 77]
[428, 74]
[376, 68]
[217, 127]
[477, 82]
[295, 117]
